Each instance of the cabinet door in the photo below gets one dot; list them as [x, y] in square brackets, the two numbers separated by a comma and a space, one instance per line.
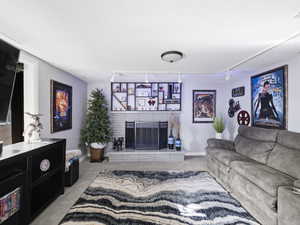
[46, 161]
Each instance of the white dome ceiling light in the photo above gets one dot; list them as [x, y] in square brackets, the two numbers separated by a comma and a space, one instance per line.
[171, 56]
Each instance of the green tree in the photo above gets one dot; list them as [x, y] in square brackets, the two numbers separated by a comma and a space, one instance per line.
[97, 124]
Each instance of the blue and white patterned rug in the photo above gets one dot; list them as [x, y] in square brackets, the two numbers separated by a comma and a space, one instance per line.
[173, 197]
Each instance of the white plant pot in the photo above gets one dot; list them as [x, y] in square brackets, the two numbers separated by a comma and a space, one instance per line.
[218, 135]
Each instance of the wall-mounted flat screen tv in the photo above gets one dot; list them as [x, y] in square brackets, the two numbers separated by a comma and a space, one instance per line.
[9, 57]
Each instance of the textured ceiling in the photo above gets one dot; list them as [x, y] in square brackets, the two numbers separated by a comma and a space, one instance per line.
[93, 38]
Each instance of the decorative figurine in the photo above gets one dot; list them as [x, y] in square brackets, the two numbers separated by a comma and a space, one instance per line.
[33, 129]
[115, 143]
[233, 107]
[118, 143]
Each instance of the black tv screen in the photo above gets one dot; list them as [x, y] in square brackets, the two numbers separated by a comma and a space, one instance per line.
[9, 57]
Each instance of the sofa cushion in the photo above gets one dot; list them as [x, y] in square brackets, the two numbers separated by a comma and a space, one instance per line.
[256, 150]
[227, 156]
[251, 192]
[289, 139]
[286, 154]
[263, 176]
[259, 134]
[288, 207]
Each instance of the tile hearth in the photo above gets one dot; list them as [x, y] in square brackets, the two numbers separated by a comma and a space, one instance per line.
[132, 155]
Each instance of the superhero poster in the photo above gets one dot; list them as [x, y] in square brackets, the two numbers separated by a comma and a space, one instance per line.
[204, 106]
[268, 99]
[61, 106]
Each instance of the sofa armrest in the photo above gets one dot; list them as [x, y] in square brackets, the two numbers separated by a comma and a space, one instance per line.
[220, 143]
[288, 206]
[297, 184]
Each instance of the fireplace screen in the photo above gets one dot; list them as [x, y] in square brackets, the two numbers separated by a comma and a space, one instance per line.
[146, 135]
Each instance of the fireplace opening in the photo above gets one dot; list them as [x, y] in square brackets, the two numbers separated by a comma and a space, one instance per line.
[142, 135]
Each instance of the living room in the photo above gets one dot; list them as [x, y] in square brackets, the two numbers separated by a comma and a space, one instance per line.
[145, 112]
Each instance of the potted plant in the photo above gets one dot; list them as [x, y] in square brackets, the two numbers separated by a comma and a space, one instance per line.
[96, 132]
[219, 127]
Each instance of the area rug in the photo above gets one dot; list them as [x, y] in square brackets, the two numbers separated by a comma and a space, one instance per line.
[169, 197]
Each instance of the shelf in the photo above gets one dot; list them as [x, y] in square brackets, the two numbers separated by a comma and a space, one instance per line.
[151, 90]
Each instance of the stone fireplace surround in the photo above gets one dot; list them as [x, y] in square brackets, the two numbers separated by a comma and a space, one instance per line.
[118, 120]
[148, 154]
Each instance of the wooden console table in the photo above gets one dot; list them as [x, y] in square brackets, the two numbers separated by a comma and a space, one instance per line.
[38, 170]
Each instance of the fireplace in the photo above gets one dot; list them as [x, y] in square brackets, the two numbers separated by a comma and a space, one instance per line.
[142, 135]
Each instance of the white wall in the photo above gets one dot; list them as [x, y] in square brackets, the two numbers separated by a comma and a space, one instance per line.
[193, 135]
[31, 85]
[293, 122]
[37, 82]
[79, 98]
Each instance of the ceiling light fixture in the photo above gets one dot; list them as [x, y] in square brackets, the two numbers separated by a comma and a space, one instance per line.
[228, 75]
[171, 56]
[146, 78]
[268, 49]
[179, 80]
[112, 79]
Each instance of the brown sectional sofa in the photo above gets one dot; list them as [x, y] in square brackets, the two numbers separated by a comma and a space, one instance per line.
[259, 168]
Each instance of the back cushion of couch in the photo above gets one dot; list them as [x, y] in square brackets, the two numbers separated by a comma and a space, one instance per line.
[286, 154]
[255, 143]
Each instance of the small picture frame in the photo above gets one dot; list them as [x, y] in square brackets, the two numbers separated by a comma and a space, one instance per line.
[238, 92]
[204, 106]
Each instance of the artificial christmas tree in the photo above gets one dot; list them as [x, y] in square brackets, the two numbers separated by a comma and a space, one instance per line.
[96, 132]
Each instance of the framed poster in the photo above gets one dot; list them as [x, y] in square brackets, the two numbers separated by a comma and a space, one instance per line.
[204, 106]
[61, 106]
[269, 98]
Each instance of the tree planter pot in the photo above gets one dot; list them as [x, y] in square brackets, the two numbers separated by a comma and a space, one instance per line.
[97, 154]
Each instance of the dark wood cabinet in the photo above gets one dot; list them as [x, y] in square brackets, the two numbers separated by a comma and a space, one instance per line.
[37, 171]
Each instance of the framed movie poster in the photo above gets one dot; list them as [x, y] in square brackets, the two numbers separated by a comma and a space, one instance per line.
[204, 106]
[269, 98]
[61, 106]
